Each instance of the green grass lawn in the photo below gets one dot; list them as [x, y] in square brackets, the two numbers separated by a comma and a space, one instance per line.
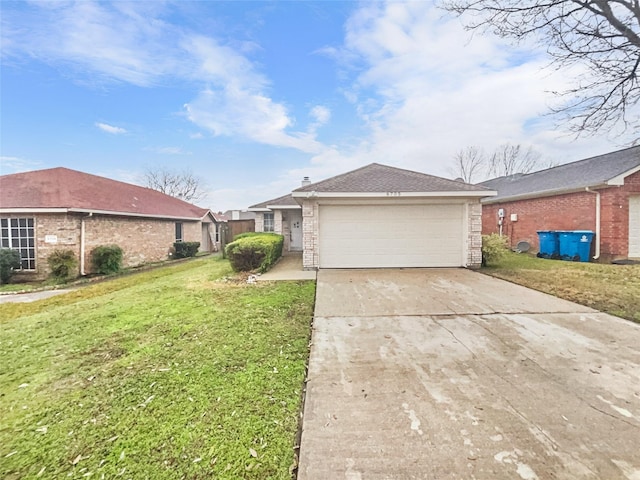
[613, 289]
[174, 373]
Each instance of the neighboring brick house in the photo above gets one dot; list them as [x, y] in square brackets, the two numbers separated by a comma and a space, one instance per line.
[59, 208]
[601, 194]
[379, 216]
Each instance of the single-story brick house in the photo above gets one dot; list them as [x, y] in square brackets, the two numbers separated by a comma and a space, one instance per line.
[379, 216]
[601, 194]
[58, 208]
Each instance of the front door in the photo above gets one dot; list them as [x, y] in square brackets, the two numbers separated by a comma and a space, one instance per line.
[295, 228]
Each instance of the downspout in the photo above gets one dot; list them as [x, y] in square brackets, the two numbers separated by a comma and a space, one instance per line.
[597, 194]
[82, 243]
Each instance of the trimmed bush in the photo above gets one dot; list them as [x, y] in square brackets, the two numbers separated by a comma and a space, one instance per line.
[186, 249]
[63, 265]
[251, 234]
[9, 263]
[494, 247]
[107, 259]
[254, 251]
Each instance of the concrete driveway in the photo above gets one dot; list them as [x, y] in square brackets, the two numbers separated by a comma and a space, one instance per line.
[447, 373]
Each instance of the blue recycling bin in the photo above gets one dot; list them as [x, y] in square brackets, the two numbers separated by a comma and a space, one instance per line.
[549, 247]
[575, 245]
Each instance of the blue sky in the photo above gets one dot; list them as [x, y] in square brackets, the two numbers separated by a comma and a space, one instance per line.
[252, 96]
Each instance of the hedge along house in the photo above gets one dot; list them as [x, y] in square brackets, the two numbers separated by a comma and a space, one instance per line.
[380, 217]
[63, 209]
[601, 194]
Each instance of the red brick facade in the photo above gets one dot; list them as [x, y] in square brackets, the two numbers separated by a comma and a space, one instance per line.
[143, 240]
[573, 211]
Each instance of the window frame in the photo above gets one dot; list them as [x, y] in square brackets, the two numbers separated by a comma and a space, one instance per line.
[179, 232]
[268, 226]
[19, 233]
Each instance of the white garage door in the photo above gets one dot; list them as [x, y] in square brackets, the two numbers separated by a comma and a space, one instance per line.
[365, 236]
[634, 227]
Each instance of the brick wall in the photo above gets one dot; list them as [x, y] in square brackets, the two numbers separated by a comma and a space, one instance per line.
[310, 252]
[259, 222]
[574, 211]
[142, 240]
[474, 236]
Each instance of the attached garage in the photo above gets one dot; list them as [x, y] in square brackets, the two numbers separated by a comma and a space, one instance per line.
[386, 217]
[392, 235]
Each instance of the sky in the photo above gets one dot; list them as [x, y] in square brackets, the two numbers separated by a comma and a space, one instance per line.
[253, 96]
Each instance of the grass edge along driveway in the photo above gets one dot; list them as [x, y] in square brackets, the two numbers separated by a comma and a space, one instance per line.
[613, 289]
[180, 372]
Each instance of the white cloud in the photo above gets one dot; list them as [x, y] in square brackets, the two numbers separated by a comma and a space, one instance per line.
[424, 89]
[132, 43]
[168, 150]
[236, 103]
[105, 127]
[17, 164]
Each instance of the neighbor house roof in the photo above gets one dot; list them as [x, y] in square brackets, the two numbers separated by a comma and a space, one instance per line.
[376, 179]
[286, 201]
[595, 172]
[62, 189]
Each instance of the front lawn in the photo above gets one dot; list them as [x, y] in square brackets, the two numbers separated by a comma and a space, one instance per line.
[179, 372]
[613, 289]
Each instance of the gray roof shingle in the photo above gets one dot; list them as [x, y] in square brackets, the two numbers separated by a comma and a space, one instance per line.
[376, 178]
[590, 172]
[285, 200]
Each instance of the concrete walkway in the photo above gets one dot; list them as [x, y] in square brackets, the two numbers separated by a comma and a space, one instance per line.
[443, 374]
[289, 267]
[31, 296]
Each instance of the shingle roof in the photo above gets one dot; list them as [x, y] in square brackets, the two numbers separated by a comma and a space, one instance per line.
[590, 172]
[376, 178]
[285, 200]
[69, 189]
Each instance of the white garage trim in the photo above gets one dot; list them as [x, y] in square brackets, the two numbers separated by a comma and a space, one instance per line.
[393, 235]
[634, 226]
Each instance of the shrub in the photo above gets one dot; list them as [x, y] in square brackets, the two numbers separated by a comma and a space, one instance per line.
[494, 247]
[9, 262]
[107, 259]
[186, 249]
[63, 264]
[254, 251]
[251, 234]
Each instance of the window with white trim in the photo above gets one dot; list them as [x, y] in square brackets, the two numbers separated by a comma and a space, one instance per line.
[19, 234]
[268, 222]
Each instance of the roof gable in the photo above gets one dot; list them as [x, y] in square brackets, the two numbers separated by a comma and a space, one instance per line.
[377, 178]
[607, 169]
[283, 201]
[63, 188]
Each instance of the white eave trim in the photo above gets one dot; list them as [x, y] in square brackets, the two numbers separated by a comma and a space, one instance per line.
[33, 210]
[619, 180]
[99, 212]
[258, 209]
[475, 194]
[546, 193]
[283, 207]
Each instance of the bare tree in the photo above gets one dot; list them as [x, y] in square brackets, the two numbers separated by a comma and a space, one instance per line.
[508, 159]
[469, 162]
[473, 165]
[602, 35]
[180, 184]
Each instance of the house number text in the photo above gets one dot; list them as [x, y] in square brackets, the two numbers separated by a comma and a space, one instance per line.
[393, 194]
